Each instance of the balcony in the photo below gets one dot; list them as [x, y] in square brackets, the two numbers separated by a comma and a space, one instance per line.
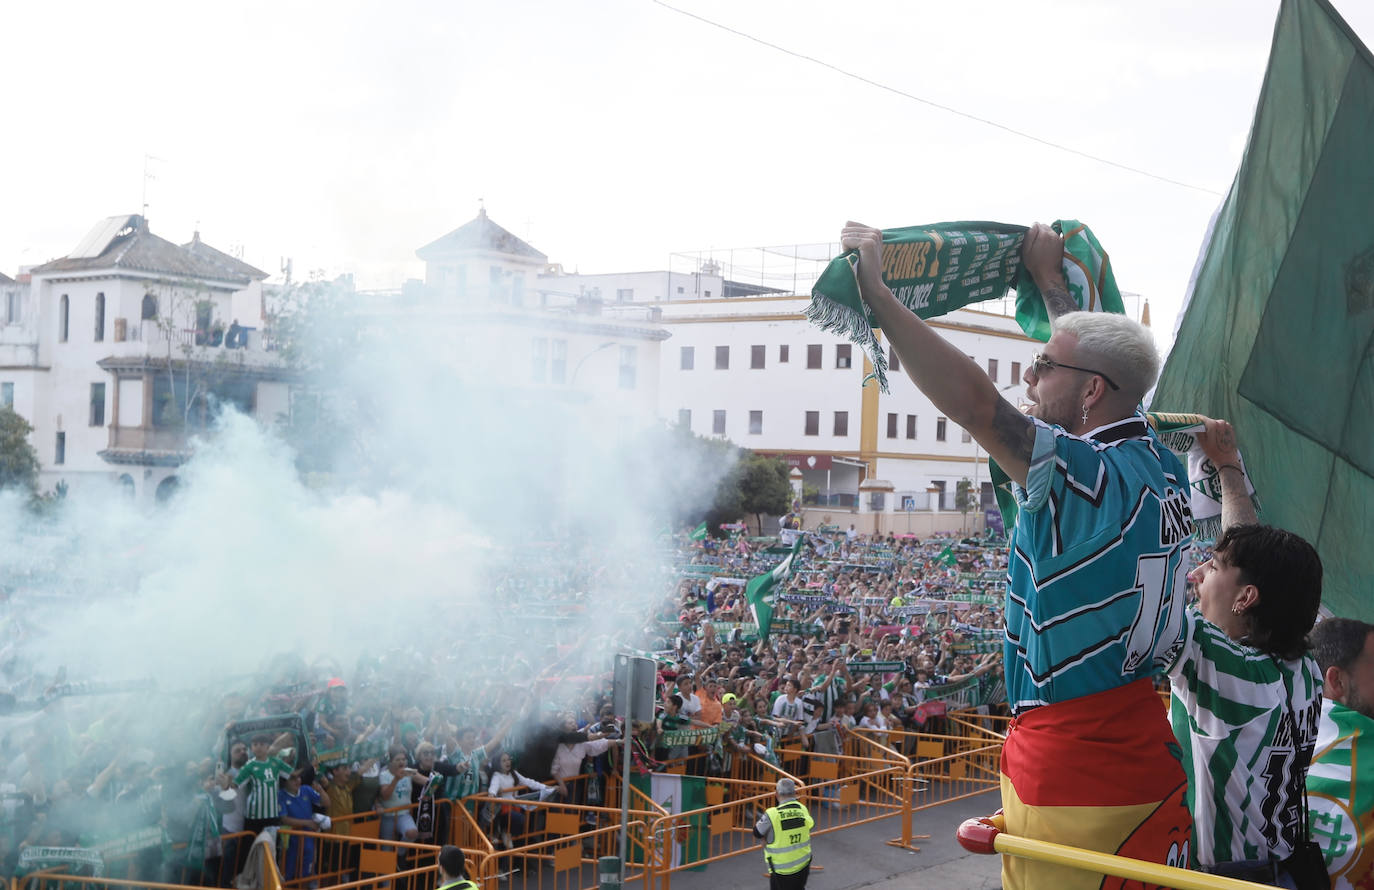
[137, 345]
[155, 447]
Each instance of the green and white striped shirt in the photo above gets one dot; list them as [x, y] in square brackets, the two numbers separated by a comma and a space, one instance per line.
[1230, 716]
[260, 777]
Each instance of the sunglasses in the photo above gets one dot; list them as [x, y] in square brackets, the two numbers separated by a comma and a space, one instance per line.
[1040, 364]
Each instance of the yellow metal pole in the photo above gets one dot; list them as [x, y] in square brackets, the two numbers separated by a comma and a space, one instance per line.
[986, 836]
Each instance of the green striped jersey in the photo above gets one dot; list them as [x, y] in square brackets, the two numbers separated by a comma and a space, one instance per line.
[261, 777]
[469, 782]
[1242, 750]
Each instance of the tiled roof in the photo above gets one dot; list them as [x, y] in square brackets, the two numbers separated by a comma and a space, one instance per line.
[479, 234]
[5, 279]
[232, 263]
[140, 250]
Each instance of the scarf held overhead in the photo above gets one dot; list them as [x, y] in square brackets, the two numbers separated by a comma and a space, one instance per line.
[935, 269]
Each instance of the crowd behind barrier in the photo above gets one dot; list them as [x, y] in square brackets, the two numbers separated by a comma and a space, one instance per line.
[882, 661]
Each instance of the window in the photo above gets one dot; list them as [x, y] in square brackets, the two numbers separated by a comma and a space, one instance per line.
[841, 423]
[539, 359]
[97, 404]
[59, 455]
[992, 368]
[629, 359]
[722, 358]
[205, 311]
[940, 423]
[624, 294]
[756, 423]
[844, 355]
[494, 284]
[149, 309]
[679, 288]
[6, 395]
[892, 426]
[517, 289]
[688, 358]
[63, 312]
[684, 418]
[894, 364]
[813, 423]
[718, 422]
[99, 317]
[813, 356]
[964, 436]
[782, 353]
[558, 361]
[1015, 372]
[911, 426]
[756, 356]
[14, 307]
[707, 294]
[462, 281]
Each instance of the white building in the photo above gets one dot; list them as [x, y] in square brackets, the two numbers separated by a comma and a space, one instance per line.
[755, 371]
[481, 279]
[122, 350]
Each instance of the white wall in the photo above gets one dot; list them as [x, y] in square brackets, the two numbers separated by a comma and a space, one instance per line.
[785, 391]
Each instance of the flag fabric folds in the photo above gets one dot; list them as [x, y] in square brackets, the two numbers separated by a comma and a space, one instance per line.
[762, 590]
[1277, 333]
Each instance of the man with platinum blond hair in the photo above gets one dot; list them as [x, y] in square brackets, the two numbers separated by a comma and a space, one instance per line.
[1097, 576]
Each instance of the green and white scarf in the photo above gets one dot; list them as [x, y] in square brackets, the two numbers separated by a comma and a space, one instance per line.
[936, 269]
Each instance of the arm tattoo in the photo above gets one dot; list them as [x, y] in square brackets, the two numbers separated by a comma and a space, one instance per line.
[1058, 301]
[1014, 430]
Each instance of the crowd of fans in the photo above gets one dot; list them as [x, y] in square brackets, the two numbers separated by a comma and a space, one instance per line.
[158, 779]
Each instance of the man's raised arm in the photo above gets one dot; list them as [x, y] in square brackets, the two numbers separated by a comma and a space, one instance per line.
[947, 376]
[1042, 255]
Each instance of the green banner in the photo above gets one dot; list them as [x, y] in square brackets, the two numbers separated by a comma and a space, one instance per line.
[876, 667]
[676, 738]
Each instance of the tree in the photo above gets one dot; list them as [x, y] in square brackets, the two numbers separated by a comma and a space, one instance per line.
[18, 460]
[965, 498]
[764, 486]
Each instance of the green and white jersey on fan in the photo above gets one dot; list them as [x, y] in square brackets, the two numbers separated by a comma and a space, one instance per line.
[1243, 747]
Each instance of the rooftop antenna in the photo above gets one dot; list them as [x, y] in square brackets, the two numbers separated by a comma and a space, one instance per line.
[481, 207]
[147, 175]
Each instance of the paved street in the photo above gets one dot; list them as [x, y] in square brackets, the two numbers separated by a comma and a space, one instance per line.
[858, 857]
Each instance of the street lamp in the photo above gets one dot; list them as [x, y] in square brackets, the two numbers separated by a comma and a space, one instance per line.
[572, 381]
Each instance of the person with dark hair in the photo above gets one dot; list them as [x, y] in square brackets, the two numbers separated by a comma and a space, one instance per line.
[1341, 800]
[453, 869]
[1246, 693]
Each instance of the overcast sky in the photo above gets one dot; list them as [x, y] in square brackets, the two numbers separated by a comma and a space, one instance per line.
[612, 133]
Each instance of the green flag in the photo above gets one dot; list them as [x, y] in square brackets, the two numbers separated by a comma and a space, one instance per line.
[761, 590]
[1276, 332]
[699, 533]
[947, 556]
[1340, 794]
[938, 268]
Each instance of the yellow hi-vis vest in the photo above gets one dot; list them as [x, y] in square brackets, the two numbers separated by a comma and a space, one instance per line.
[790, 850]
[460, 885]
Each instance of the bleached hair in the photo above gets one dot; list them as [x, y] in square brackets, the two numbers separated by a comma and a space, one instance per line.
[1123, 348]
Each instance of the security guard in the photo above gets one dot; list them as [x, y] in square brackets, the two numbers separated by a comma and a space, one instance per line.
[453, 871]
[786, 833]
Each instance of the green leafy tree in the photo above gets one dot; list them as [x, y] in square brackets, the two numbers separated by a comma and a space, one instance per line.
[965, 498]
[764, 487]
[18, 460]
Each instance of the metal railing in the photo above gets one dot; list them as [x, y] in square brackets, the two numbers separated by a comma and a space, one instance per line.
[988, 835]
